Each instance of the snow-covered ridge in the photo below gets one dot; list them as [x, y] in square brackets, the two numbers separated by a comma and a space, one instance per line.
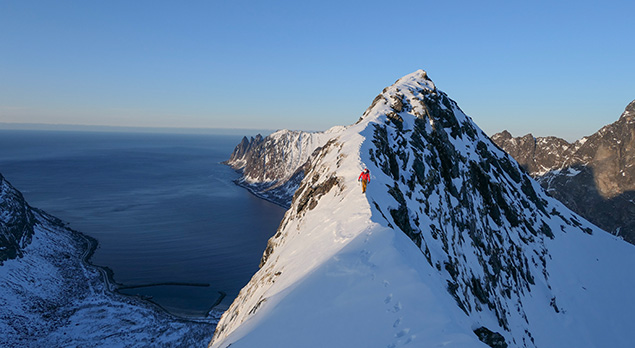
[51, 297]
[452, 245]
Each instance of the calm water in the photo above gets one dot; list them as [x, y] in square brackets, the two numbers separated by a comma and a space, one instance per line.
[161, 206]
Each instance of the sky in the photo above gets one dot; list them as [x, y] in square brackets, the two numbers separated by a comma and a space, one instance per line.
[562, 68]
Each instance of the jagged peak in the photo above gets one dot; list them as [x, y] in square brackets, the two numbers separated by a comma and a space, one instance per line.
[506, 134]
[415, 96]
[629, 112]
[528, 137]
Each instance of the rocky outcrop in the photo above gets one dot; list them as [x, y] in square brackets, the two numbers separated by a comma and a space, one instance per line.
[245, 152]
[535, 155]
[16, 222]
[594, 176]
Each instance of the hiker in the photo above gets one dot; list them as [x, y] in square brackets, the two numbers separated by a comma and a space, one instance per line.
[364, 177]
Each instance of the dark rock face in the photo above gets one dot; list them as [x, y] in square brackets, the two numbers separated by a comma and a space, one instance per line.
[594, 176]
[245, 152]
[534, 154]
[16, 222]
[492, 339]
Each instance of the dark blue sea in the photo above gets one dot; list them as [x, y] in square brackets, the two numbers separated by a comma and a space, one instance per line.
[162, 206]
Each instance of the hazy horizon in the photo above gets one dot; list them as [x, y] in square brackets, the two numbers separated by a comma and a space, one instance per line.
[546, 68]
[201, 130]
[131, 129]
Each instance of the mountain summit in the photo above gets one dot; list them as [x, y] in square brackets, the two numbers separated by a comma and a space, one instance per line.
[629, 112]
[452, 245]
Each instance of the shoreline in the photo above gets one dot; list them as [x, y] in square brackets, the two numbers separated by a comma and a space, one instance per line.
[252, 189]
[256, 193]
[107, 274]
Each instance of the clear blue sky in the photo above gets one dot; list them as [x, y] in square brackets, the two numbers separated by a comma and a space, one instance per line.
[562, 68]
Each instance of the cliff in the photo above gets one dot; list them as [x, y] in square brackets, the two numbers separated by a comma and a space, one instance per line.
[273, 167]
[594, 176]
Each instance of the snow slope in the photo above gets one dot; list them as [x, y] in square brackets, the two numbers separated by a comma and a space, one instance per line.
[452, 245]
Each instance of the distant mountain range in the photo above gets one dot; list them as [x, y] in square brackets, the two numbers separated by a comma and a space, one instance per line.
[594, 176]
[453, 244]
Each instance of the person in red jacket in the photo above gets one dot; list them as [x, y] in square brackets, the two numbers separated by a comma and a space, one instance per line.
[364, 177]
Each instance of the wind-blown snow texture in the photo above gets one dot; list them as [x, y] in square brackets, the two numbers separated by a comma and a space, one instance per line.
[452, 245]
[50, 297]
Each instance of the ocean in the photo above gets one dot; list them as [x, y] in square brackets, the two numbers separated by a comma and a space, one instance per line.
[162, 207]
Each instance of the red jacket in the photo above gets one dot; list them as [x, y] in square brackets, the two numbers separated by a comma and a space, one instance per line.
[364, 176]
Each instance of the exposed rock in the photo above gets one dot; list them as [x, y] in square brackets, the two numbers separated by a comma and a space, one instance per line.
[594, 176]
[492, 339]
[272, 167]
[16, 222]
[536, 155]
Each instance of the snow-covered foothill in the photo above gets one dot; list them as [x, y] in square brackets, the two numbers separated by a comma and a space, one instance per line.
[452, 245]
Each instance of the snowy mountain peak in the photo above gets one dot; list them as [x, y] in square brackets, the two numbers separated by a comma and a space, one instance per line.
[418, 78]
[452, 244]
[415, 95]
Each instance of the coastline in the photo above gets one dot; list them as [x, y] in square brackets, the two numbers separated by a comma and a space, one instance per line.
[254, 189]
[90, 246]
